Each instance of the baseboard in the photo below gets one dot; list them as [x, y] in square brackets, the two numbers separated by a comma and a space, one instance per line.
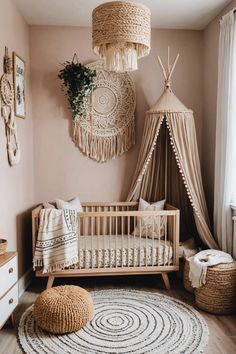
[24, 281]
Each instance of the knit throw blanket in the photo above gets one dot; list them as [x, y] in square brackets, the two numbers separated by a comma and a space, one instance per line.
[202, 260]
[56, 246]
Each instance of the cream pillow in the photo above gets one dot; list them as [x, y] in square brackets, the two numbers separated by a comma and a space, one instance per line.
[73, 204]
[147, 225]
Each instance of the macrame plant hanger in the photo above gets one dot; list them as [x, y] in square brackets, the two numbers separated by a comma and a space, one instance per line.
[7, 111]
[75, 60]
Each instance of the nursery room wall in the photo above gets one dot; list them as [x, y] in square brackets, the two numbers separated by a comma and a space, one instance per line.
[48, 155]
[211, 41]
[60, 168]
[16, 183]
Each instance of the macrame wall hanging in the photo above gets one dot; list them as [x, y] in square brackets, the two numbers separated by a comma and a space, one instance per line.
[7, 111]
[107, 129]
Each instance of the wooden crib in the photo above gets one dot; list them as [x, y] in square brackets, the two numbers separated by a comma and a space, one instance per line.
[112, 241]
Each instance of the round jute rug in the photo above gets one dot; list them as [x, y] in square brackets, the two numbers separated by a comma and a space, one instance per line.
[124, 322]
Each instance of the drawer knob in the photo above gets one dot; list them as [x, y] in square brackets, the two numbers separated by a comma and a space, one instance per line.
[10, 301]
[10, 270]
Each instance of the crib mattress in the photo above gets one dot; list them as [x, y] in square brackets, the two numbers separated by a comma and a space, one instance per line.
[117, 251]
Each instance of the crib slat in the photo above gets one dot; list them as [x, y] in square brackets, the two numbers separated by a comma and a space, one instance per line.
[146, 249]
[107, 223]
[175, 241]
[152, 241]
[110, 223]
[79, 235]
[98, 234]
[122, 239]
[99, 223]
[167, 248]
[140, 232]
[92, 221]
[116, 239]
[159, 240]
[134, 251]
[85, 232]
[128, 247]
[85, 248]
[103, 227]
[92, 264]
[169, 245]
[98, 265]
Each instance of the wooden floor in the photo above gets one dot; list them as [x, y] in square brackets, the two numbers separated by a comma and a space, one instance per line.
[222, 328]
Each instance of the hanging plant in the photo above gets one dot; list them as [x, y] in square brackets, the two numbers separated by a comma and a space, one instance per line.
[78, 83]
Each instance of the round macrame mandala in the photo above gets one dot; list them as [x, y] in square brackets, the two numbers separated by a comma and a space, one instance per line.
[108, 128]
[6, 88]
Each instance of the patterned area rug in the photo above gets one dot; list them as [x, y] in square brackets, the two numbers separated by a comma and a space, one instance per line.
[124, 322]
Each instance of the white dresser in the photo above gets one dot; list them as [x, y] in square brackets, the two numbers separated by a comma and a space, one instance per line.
[8, 285]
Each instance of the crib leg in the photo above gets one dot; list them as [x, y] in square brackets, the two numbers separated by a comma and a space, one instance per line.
[50, 282]
[166, 280]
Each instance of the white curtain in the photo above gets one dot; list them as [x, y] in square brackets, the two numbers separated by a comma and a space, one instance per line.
[225, 153]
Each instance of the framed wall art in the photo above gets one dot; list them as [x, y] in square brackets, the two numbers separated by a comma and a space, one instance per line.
[19, 85]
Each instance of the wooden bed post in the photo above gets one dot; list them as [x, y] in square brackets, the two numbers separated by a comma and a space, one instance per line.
[50, 281]
[166, 280]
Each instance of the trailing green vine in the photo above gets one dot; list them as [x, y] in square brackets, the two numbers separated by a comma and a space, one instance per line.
[78, 83]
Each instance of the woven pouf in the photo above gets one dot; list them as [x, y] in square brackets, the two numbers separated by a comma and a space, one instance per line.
[187, 282]
[218, 295]
[63, 309]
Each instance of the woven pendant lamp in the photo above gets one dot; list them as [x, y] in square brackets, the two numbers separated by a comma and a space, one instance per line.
[121, 34]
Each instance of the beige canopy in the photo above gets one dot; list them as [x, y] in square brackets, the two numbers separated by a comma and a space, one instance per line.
[168, 164]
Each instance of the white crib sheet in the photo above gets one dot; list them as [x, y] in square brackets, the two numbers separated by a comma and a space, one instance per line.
[107, 251]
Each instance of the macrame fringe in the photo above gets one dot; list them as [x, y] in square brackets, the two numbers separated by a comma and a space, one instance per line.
[120, 57]
[103, 148]
[56, 267]
[37, 263]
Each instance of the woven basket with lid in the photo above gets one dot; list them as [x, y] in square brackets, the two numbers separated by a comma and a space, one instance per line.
[218, 295]
[63, 309]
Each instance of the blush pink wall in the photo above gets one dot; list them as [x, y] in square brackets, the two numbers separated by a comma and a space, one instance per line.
[211, 41]
[16, 183]
[60, 169]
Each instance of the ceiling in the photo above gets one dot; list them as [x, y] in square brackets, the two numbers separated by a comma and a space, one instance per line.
[178, 14]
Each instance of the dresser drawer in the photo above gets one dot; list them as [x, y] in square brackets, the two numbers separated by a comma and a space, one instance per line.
[8, 275]
[8, 304]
